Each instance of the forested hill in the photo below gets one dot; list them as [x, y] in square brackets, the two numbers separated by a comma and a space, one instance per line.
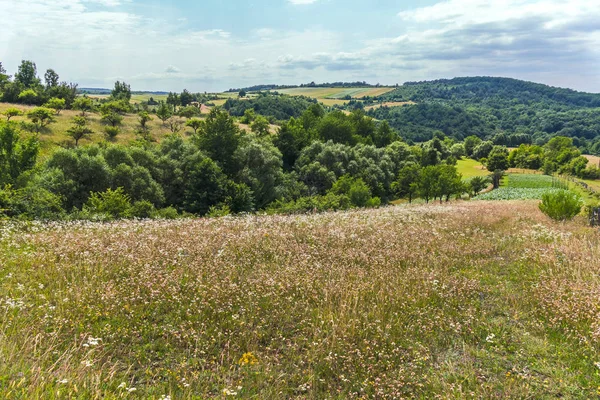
[508, 111]
[491, 91]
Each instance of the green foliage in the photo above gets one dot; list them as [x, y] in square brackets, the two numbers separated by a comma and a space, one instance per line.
[121, 92]
[497, 160]
[111, 132]
[56, 104]
[260, 168]
[144, 130]
[27, 75]
[79, 129]
[17, 154]
[11, 113]
[41, 116]
[561, 205]
[142, 209]
[219, 137]
[195, 124]
[260, 126]
[164, 112]
[113, 203]
[477, 184]
[83, 104]
[29, 96]
[279, 107]
[407, 183]
[189, 112]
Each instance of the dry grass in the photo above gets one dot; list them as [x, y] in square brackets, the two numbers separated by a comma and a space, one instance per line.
[472, 300]
[56, 133]
[390, 104]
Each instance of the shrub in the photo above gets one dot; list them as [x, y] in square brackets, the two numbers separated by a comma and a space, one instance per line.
[561, 205]
[114, 203]
[111, 132]
[142, 209]
[166, 213]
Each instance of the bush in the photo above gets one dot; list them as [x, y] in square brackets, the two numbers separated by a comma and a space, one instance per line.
[166, 213]
[114, 203]
[142, 209]
[111, 132]
[561, 205]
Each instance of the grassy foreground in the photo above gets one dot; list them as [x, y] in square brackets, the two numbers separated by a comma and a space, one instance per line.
[469, 300]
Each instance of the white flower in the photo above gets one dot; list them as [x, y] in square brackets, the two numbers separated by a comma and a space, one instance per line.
[490, 338]
[63, 381]
[597, 364]
[229, 392]
[131, 390]
[123, 385]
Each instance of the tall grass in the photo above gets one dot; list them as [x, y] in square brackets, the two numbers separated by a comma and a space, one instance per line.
[473, 300]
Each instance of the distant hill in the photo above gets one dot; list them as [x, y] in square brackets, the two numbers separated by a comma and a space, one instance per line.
[258, 88]
[492, 91]
[508, 111]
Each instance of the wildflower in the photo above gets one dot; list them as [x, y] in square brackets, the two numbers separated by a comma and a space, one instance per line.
[131, 389]
[63, 381]
[248, 359]
[490, 338]
[123, 385]
[229, 392]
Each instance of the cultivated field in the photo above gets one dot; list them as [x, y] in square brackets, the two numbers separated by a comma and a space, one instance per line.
[333, 96]
[469, 300]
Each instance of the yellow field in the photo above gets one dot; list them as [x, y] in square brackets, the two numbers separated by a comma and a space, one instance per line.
[336, 94]
[594, 160]
[389, 104]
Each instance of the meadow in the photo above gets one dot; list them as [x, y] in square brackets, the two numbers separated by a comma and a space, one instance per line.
[469, 300]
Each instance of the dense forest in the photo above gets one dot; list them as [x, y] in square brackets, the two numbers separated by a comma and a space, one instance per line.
[507, 111]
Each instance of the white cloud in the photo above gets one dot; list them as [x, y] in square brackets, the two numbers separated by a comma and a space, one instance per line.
[97, 41]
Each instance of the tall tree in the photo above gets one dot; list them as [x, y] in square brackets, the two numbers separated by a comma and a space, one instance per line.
[219, 137]
[51, 78]
[17, 155]
[121, 91]
[27, 74]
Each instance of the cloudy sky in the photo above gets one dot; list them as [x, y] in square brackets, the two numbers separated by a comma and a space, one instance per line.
[214, 45]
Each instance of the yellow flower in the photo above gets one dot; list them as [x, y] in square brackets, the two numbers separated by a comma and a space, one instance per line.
[248, 359]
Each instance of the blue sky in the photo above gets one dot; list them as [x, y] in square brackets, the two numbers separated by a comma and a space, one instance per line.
[215, 45]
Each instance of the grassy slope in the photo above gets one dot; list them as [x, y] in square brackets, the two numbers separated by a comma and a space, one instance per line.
[470, 168]
[473, 300]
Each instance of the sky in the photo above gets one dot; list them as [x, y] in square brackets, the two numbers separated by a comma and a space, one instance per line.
[216, 45]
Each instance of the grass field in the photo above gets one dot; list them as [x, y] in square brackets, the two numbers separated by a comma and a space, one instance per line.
[473, 300]
[55, 133]
[470, 168]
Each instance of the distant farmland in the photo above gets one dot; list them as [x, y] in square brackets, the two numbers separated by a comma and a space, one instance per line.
[331, 96]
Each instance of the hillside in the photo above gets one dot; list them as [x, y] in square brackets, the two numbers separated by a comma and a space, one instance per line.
[478, 300]
[524, 112]
[492, 91]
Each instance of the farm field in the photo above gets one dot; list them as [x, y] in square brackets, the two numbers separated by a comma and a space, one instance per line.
[333, 96]
[469, 300]
[524, 187]
[389, 104]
